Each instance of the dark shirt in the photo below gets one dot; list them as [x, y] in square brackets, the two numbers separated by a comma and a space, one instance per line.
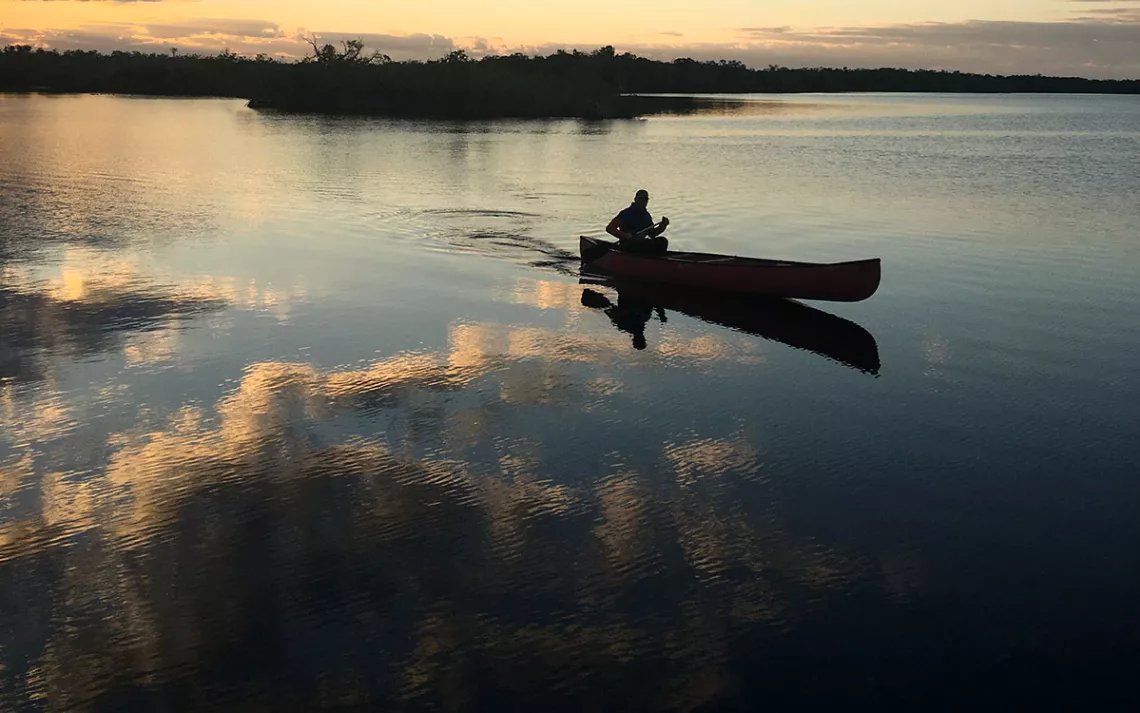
[635, 219]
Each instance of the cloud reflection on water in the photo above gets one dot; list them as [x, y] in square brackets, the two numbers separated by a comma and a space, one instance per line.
[271, 548]
[85, 313]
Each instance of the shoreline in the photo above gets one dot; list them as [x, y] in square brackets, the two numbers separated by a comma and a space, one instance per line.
[596, 86]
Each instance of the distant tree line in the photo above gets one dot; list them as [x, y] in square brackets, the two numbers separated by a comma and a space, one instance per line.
[349, 80]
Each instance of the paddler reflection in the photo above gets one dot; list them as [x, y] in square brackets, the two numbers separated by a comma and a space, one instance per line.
[630, 314]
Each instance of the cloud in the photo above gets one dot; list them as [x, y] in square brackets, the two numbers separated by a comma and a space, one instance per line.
[399, 47]
[974, 33]
[672, 34]
[766, 30]
[1090, 47]
[1125, 15]
[103, 39]
[212, 27]
[193, 36]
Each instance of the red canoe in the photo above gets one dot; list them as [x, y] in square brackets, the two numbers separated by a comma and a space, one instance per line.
[837, 282]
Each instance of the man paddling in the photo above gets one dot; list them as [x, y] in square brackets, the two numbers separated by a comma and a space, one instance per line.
[634, 228]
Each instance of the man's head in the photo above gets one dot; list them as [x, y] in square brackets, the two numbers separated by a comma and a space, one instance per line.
[641, 197]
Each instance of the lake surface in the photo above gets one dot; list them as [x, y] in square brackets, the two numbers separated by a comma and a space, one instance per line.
[303, 413]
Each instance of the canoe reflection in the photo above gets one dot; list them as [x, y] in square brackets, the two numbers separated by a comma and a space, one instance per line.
[785, 321]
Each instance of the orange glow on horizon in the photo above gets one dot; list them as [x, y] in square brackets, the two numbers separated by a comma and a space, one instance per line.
[507, 24]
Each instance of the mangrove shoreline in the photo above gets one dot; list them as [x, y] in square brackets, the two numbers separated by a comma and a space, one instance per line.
[594, 85]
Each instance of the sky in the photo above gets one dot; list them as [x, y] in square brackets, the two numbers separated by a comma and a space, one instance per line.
[1087, 38]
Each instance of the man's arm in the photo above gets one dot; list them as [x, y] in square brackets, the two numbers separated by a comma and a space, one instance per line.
[614, 229]
[659, 228]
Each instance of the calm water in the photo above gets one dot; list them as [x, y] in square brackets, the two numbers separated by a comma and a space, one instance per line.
[305, 413]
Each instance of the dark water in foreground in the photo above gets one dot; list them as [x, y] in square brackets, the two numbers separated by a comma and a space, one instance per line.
[308, 413]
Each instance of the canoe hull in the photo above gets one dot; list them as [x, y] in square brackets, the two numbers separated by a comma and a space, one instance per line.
[836, 282]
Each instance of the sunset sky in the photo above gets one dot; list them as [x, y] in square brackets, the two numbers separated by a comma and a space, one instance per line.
[1092, 38]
